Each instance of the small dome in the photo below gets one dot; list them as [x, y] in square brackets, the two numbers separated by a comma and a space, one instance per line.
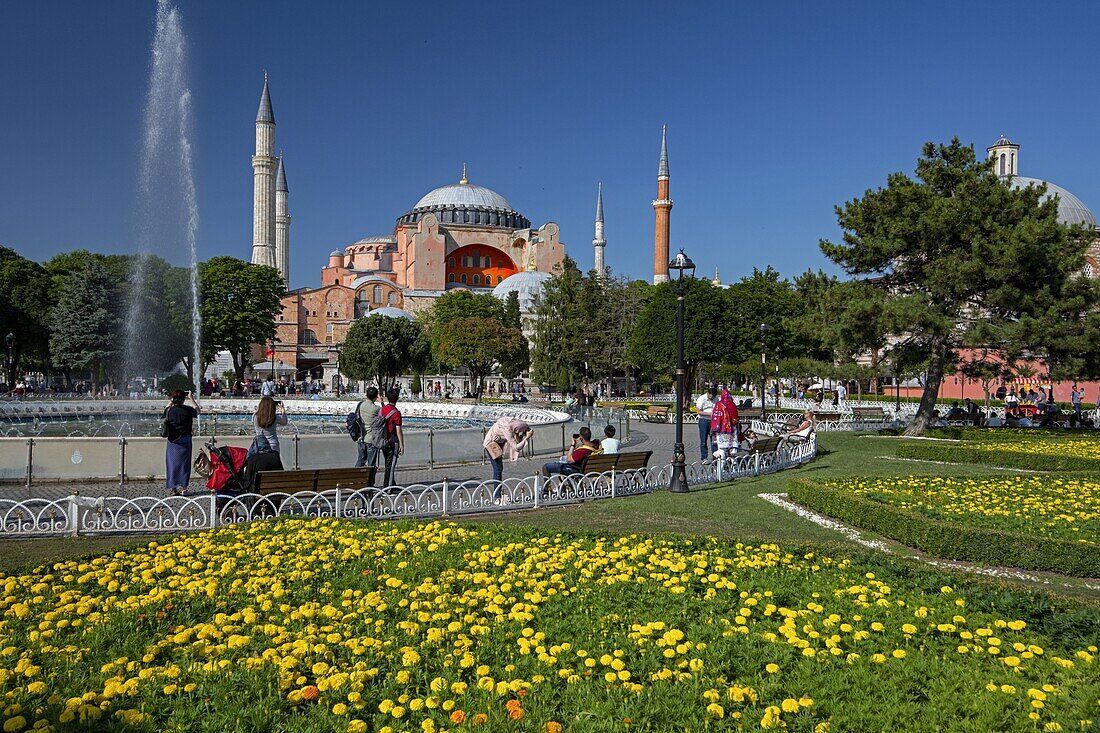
[335, 253]
[464, 194]
[528, 284]
[1070, 208]
[391, 312]
[1001, 141]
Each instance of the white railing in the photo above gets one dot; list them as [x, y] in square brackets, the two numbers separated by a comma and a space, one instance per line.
[75, 515]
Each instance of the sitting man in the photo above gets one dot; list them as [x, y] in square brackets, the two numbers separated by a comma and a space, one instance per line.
[973, 414]
[583, 446]
[955, 413]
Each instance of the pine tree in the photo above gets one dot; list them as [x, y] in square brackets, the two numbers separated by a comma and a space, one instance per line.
[82, 322]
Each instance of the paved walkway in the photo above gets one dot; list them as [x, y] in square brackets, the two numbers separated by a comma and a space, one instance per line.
[646, 436]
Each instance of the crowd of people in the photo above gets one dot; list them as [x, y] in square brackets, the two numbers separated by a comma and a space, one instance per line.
[721, 434]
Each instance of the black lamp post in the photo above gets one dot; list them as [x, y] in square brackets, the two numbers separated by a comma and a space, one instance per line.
[272, 357]
[685, 270]
[10, 338]
[763, 362]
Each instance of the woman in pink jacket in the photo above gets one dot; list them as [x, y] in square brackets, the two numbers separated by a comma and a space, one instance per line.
[510, 433]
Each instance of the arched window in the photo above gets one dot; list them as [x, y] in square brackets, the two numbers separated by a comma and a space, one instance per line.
[451, 278]
[392, 299]
[377, 294]
[464, 278]
[307, 338]
[450, 262]
[362, 304]
[477, 279]
[1012, 162]
[1002, 164]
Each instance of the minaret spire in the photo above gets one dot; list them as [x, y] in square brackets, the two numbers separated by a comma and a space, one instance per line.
[598, 242]
[282, 224]
[263, 183]
[662, 211]
[464, 180]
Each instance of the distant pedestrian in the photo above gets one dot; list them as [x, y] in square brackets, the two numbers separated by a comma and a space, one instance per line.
[725, 425]
[395, 437]
[841, 395]
[703, 408]
[265, 421]
[179, 418]
[1075, 397]
[367, 450]
[506, 433]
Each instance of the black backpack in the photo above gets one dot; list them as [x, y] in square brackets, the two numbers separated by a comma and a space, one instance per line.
[380, 434]
[354, 423]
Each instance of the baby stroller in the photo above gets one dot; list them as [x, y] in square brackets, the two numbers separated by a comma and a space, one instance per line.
[223, 466]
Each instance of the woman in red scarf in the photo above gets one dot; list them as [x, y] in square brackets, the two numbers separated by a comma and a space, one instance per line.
[724, 424]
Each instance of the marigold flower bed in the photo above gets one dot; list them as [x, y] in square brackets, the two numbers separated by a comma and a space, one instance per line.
[1012, 448]
[318, 625]
[1052, 506]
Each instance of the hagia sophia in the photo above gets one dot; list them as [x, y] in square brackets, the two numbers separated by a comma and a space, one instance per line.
[459, 235]
[462, 235]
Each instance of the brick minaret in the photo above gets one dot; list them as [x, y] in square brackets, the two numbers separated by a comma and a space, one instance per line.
[263, 184]
[282, 224]
[662, 209]
[598, 242]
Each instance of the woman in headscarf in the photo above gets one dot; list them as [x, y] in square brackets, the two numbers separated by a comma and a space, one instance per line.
[510, 433]
[178, 417]
[724, 424]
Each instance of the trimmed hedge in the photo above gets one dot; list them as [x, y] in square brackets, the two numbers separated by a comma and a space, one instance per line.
[948, 539]
[962, 453]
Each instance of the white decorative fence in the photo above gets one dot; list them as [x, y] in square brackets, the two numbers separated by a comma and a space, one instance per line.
[76, 515]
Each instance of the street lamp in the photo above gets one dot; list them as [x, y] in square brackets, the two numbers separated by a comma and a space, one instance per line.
[763, 362]
[685, 270]
[10, 338]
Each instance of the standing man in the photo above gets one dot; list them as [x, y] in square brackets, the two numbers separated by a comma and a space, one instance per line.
[267, 389]
[1075, 397]
[368, 408]
[395, 437]
[841, 395]
[704, 407]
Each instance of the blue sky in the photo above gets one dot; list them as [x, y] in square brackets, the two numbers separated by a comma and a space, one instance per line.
[776, 112]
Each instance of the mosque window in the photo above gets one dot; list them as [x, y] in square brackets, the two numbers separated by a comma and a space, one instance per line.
[464, 278]
[328, 328]
[477, 279]
[328, 339]
[451, 278]
[450, 262]
[1089, 270]
[1002, 164]
[392, 300]
[307, 337]
[377, 294]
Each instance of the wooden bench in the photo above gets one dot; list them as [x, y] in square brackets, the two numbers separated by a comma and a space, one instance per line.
[325, 479]
[869, 414]
[766, 445]
[826, 416]
[601, 463]
[656, 413]
[749, 413]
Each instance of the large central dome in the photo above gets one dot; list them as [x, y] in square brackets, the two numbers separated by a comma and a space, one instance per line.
[467, 203]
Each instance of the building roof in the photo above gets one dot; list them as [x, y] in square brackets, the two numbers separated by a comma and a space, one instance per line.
[391, 312]
[1002, 140]
[527, 284]
[1070, 208]
[280, 177]
[265, 113]
[467, 203]
[385, 239]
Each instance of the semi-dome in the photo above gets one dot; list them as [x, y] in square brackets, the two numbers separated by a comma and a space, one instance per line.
[1070, 208]
[527, 285]
[390, 312]
[467, 203]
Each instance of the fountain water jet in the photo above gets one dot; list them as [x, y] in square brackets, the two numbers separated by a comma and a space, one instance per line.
[166, 148]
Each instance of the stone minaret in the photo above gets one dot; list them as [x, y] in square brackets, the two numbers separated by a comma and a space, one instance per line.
[263, 184]
[1005, 154]
[662, 209]
[282, 225]
[598, 242]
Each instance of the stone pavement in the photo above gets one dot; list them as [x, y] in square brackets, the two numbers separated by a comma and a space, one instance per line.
[643, 436]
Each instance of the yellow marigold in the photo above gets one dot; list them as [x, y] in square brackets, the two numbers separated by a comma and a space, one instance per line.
[552, 726]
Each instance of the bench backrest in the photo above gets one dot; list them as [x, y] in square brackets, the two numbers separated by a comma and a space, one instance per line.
[345, 478]
[868, 412]
[600, 463]
[288, 482]
[636, 459]
[657, 410]
[766, 445]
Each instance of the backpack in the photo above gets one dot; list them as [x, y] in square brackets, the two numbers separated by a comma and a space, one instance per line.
[354, 423]
[381, 437]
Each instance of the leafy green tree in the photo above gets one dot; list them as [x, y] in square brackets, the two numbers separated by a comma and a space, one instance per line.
[24, 311]
[83, 326]
[481, 345]
[511, 310]
[239, 304]
[652, 344]
[955, 257]
[556, 325]
[381, 348]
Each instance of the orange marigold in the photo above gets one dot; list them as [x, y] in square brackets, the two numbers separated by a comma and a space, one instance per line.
[553, 727]
[310, 693]
[516, 714]
[458, 716]
[512, 705]
[480, 719]
[522, 693]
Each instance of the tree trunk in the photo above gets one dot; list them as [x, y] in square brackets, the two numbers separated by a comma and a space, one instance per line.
[238, 365]
[931, 387]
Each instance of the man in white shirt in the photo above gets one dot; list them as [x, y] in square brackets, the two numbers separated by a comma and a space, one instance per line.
[841, 394]
[267, 389]
[610, 444]
[704, 406]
